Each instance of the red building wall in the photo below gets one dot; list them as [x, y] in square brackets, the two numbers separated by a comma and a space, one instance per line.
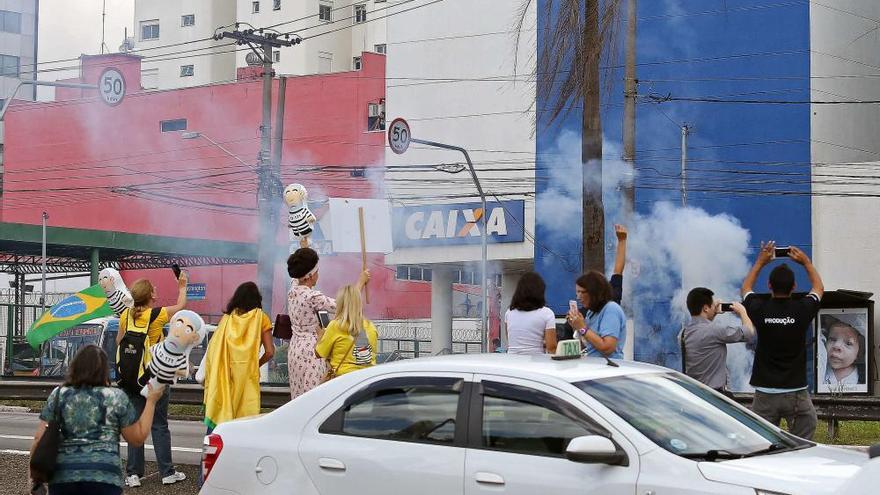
[93, 166]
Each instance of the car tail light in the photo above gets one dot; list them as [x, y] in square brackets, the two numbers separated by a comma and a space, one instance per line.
[211, 449]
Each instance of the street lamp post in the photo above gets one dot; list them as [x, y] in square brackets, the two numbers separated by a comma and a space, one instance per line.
[399, 137]
[43, 269]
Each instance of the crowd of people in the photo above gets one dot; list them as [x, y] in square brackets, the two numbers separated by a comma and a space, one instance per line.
[93, 414]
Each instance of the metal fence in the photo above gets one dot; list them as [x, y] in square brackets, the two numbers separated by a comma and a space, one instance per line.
[412, 338]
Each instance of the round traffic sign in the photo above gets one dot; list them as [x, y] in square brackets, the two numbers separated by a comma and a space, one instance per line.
[399, 136]
[111, 85]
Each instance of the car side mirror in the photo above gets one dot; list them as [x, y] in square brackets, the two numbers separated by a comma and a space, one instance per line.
[596, 449]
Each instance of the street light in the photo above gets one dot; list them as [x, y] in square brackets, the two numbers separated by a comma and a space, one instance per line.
[56, 84]
[196, 135]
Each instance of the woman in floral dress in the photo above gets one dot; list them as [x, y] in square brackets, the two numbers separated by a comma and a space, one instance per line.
[305, 369]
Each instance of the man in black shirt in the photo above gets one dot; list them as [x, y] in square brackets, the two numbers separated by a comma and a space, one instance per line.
[779, 373]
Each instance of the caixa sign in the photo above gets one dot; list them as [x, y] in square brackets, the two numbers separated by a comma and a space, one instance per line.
[457, 224]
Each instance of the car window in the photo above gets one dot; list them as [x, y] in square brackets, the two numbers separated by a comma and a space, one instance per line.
[403, 409]
[683, 416]
[527, 421]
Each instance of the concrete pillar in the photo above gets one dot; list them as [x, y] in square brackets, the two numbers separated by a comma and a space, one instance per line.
[441, 309]
[508, 286]
[94, 267]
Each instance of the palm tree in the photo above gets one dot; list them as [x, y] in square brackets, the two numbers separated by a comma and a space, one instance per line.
[578, 35]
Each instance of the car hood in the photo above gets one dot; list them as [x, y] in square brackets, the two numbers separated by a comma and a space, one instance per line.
[815, 470]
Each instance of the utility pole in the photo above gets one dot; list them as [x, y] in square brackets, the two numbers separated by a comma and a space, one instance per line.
[593, 221]
[685, 131]
[43, 270]
[261, 42]
[629, 108]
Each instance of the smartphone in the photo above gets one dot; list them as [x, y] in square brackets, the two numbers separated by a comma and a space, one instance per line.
[572, 305]
[176, 269]
[782, 252]
[324, 319]
[726, 307]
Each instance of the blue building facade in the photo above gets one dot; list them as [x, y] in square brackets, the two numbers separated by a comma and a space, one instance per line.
[747, 157]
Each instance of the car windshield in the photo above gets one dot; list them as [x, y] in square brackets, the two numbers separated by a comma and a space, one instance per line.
[685, 417]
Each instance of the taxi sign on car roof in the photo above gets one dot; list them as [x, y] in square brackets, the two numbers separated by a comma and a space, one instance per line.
[568, 349]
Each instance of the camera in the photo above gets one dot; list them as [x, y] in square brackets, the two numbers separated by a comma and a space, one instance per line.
[726, 307]
[782, 252]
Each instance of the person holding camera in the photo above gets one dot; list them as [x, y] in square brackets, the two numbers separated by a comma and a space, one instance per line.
[782, 322]
[704, 341]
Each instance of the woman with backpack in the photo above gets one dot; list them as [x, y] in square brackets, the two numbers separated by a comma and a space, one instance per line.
[139, 328]
[350, 341]
[92, 415]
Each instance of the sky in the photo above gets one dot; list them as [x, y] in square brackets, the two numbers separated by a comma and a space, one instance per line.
[70, 28]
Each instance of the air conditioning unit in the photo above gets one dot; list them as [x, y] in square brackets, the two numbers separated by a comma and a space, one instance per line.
[375, 109]
[253, 59]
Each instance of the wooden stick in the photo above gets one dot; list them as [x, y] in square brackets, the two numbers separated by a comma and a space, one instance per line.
[363, 251]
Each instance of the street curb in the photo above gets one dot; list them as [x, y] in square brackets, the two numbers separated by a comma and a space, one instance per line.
[14, 409]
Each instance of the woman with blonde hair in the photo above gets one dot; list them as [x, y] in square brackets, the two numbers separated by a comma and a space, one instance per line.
[144, 322]
[350, 341]
[305, 370]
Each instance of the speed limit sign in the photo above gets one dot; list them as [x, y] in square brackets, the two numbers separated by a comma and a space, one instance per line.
[399, 136]
[111, 85]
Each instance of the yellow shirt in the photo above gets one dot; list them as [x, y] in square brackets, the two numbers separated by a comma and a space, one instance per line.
[344, 353]
[154, 332]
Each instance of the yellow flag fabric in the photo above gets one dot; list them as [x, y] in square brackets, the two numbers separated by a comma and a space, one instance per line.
[232, 378]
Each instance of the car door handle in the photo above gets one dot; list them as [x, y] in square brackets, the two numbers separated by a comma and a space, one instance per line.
[489, 478]
[331, 464]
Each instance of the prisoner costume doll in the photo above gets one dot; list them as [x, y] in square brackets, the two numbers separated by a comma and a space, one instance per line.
[118, 296]
[170, 358]
[299, 218]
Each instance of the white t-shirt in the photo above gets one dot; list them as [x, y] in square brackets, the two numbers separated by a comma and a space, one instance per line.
[525, 330]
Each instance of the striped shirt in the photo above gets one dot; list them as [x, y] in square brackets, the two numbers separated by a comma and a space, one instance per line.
[165, 362]
[298, 220]
[117, 302]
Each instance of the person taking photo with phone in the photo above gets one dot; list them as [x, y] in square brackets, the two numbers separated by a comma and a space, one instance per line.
[704, 341]
[782, 323]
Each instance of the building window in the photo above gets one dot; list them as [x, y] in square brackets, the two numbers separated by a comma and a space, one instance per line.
[360, 14]
[325, 62]
[255, 7]
[9, 66]
[416, 273]
[188, 20]
[10, 22]
[276, 55]
[187, 70]
[173, 125]
[276, 4]
[356, 63]
[382, 48]
[150, 30]
[325, 11]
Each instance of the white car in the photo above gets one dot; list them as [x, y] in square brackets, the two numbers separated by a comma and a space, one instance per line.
[866, 481]
[504, 424]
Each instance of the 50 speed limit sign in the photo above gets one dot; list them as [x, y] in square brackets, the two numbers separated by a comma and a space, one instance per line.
[399, 136]
[111, 85]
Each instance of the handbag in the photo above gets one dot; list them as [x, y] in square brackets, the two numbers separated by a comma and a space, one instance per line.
[283, 328]
[45, 456]
[333, 373]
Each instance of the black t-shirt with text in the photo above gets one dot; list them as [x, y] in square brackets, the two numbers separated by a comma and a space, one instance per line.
[783, 326]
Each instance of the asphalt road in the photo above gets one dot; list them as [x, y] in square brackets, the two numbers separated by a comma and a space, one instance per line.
[17, 433]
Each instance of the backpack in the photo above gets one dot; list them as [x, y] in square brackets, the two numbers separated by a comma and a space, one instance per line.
[131, 354]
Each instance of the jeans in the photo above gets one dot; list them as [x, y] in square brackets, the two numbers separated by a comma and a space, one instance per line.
[795, 407]
[80, 487]
[161, 438]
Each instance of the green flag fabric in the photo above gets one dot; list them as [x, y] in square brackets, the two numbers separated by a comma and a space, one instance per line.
[82, 306]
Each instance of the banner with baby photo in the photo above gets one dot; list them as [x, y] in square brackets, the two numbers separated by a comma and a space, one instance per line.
[842, 357]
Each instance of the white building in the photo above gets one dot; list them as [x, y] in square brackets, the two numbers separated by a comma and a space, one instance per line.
[174, 37]
[18, 51]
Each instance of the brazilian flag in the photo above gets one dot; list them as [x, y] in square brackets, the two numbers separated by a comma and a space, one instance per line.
[82, 306]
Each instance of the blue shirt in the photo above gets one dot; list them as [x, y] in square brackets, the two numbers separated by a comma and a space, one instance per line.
[610, 321]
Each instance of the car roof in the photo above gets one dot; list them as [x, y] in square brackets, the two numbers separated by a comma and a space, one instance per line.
[570, 370]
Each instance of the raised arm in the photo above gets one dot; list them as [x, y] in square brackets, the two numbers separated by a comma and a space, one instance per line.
[764, 257]
[801, 257]
[620, 255]
[747, 324]
[181, 296]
